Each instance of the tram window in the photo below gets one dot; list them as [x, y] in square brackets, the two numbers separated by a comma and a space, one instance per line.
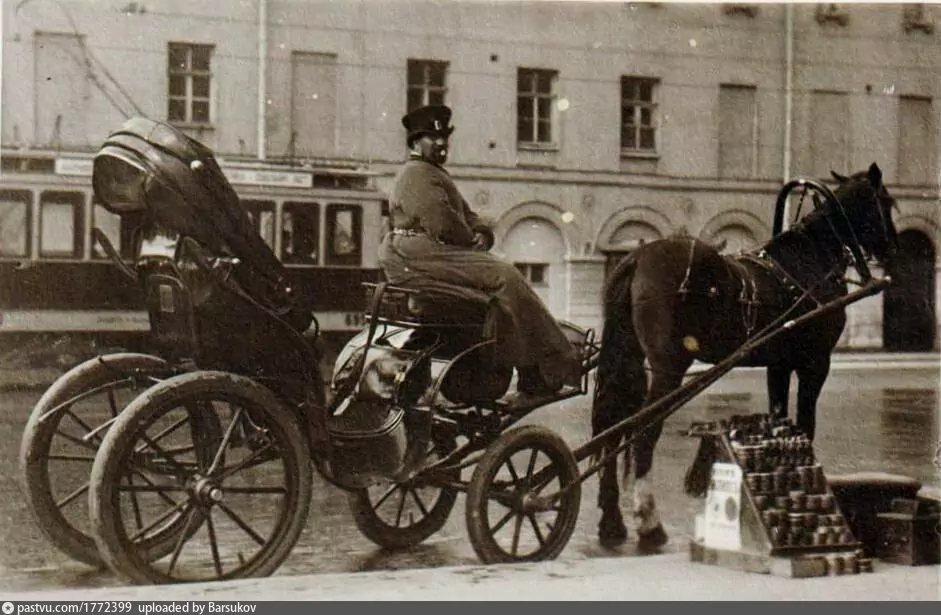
[300, 232]
[14, 223]
[344, 233]
[60, 220]
[262, 216]
[110, 225]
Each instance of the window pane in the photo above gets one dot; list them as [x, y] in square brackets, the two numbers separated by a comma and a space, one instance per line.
[301, 233]
[545, 131]
[176, 110]
[344, 228]
[415, 72]
[545, 82]
[200, 111]
[110, 225]
[437, 73]
[647, 138]
[646, 116]
[524, 130]
[524, 81]
[415, 99]
[261, 214]
[14, 228]
[177, 85]
[436, 97]
[57, 233]
[201, 87]
[646, 91]
[524, 107]
[544, 107]
[628, 115]
[177, 57]
[538, 274]
[627, 89]
[628, 138]
[201, 55]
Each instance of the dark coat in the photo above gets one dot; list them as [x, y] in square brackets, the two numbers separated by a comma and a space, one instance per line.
[441, 257]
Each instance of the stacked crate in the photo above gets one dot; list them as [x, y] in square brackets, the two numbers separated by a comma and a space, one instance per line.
[790, 520]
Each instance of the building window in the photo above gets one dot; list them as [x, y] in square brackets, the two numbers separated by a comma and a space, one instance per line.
[535, 104]
[639, 114]
[344, 233]
[300, 235]
[828, 12]
[190, 83]
[60, 224]
[427, 83]
[261, 213]
[915, 17]
[535, 273]
[916, 146]
[829, 146]
[14, 223]
[738, 128]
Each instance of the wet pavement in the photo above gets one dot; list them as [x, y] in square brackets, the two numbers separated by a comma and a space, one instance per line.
[868, 420]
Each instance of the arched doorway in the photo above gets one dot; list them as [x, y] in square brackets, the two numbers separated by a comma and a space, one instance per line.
[908, 321]
[537, 248]
[625, 238]
[735, 238]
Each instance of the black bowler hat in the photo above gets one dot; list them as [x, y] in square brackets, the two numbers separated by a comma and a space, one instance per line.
[429, 120]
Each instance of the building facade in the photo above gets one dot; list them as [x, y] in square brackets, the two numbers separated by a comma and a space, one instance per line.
[582, 129]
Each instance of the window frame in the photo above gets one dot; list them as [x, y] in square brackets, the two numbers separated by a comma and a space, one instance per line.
[252, 208]
[429, 93]
[287, 208]
[639, 105]
[533, 97]
[25, 198]
[188, 73]
[77, 200]
[528, 271]
[331, 258]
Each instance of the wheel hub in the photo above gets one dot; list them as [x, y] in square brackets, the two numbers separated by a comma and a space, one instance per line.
[207, 491]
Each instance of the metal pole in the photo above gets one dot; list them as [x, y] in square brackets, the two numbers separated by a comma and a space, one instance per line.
[788, 96]
[262, 77]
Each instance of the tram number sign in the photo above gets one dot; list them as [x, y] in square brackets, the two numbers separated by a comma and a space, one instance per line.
[724, 507]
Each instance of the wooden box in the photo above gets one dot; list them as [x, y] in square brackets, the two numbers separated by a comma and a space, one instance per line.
[910, 533]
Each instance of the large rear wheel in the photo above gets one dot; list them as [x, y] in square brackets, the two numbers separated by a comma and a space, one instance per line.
[62, 436]
[523, 500]
[216, 452]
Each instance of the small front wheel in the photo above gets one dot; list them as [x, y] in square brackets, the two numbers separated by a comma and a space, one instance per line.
[214, 453]
[523, 500]
[402, 515]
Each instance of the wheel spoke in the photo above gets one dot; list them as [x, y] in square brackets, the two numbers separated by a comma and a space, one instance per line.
[517, 528]
[512, 469]
[262, 489]
[181, 539]
[225, 472]
[135, 504]
[398, 514]
[72, 496]
[241, 523]
[88, 429]
[89, 459]
[176, 509]
[225, 440]
[216, 562]
[76, 440]
[535, 523]
[385, 496]
[112, 403]
[532, 463]
[160, 493]
[421, 505]
[499, 524]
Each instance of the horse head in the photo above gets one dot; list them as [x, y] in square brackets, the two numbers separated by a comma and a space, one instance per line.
[867, 207]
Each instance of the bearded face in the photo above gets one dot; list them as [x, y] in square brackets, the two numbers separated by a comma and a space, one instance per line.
[433, 148]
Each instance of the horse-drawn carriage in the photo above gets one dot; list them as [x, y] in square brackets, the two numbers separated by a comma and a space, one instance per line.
[200, 454]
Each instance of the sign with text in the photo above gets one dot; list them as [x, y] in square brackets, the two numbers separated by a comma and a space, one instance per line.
[724, 507]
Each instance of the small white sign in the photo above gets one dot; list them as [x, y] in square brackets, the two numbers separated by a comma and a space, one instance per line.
[261, 177]
[74, 166]
[724, 507]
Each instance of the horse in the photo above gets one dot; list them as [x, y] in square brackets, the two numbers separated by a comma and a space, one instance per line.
[676, 300]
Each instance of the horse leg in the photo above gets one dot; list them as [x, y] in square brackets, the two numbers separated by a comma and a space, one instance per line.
[810, 382]
[779, 387]
[650, 532]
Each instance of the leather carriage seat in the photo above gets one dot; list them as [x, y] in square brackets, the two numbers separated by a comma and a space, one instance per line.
[411, 306]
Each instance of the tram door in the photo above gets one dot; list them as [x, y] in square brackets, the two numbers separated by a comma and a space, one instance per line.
[909, 303]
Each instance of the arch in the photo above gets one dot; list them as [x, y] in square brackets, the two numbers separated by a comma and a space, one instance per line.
[570, 230]
[537, 247]
[735, 238]
[638, 215]
[908, 305]
[735, 219]
[927, 226]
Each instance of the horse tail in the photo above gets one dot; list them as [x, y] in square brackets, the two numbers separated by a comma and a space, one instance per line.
[620, 383]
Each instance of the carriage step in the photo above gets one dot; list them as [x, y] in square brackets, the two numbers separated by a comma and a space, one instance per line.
[520, 402]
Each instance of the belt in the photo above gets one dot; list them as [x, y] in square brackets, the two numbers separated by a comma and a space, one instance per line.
[408, 232]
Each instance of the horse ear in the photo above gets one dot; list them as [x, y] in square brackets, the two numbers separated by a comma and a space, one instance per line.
[838, 177]
[875, 175]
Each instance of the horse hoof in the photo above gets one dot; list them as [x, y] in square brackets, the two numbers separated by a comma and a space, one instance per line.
[612, 534]
[652, 540]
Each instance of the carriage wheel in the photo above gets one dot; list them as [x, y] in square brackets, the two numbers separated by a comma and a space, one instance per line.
[239, 482]
[523, 499]
[58, 448]
[402, 515]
